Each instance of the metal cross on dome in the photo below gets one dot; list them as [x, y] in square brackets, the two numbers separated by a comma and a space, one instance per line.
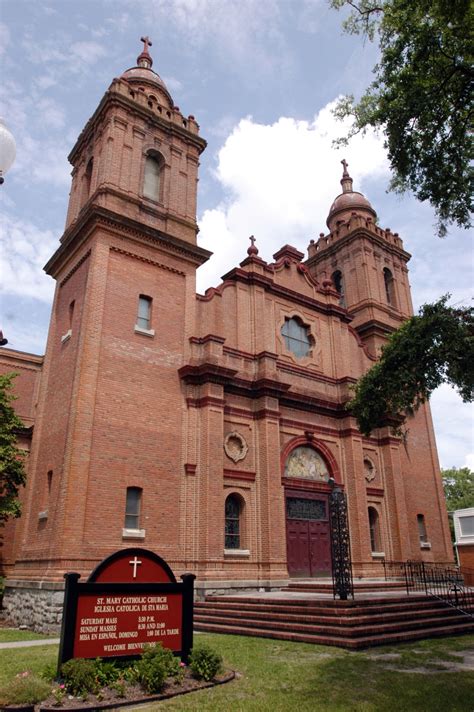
[146, 43]
[135, 562]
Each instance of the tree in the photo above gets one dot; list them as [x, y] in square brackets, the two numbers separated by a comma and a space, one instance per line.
[458, 487]
[434, 347]
[421, 97]
[12, 468]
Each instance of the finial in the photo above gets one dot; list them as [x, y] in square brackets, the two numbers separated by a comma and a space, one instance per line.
[144, 59]
[252, 249]
[346, 180]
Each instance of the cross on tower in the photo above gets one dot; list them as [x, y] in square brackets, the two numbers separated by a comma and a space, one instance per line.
[146, 43]
[344, 164]
[252, 240]
[135, 562]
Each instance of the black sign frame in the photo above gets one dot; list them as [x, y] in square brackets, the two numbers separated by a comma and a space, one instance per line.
[74, 589]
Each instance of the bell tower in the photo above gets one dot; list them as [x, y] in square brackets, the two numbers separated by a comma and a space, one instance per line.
[367, 265]
[138, 155]
[106, 457]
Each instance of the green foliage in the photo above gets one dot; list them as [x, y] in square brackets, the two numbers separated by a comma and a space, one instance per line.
[49, 672]
[434, 347]
[205, 662]
[12, 468]
[458, 487]
[106, 672]
[24, 689]
[80, 676]
[156, 664]
[421, 97]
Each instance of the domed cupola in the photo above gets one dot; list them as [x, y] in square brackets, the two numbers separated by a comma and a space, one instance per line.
[144, 74]
[348, 202]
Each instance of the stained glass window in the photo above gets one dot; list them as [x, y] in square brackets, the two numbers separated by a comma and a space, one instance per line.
[308, 509]
[296, 336]
[233, 509]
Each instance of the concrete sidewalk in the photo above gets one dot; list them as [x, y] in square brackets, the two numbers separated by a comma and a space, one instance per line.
[29, 643]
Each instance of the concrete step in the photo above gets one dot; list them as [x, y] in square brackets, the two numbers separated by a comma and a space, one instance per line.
[210, 611]
[341, 642]
[343, 629]
[325, 586]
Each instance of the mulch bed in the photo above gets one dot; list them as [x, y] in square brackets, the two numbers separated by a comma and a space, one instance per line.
[134, 695]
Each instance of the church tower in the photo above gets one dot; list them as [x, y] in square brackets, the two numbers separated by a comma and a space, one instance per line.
[367, 265]
[106, 456]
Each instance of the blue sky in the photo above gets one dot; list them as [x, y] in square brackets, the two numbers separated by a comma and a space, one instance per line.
[261, 77]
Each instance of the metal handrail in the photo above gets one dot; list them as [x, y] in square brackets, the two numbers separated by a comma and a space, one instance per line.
[446, 583]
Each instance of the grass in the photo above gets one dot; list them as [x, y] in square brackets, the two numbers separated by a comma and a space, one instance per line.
[12, 635]
[276, 676]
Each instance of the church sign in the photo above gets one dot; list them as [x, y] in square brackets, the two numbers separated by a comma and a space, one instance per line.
[131, 599]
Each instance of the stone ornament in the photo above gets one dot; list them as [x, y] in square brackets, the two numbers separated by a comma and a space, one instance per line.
[304, 462]
[369, 469]
[235, 446]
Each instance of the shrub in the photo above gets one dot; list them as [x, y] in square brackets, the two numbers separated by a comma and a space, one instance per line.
[80, 676]
[49, 672]
[106, 672]
[205, 663]
[156, 664]
[24, 689]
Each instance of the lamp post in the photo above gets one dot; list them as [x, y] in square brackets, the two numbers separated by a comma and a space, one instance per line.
[7, 150]
[340, 543]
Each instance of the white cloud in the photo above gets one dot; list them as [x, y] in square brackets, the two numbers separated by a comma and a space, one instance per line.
[279, 181]
[25, 250]
[4, 38]
[247, 32]
[87, 53]
[469, 461]
[453, 423]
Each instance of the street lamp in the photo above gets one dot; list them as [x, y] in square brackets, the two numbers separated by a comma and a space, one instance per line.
[7, 149]
[340, 543]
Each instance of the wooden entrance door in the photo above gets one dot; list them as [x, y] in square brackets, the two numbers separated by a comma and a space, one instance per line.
[307, 535]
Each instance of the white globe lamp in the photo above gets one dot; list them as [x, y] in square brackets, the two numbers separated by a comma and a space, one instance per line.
[7, 150]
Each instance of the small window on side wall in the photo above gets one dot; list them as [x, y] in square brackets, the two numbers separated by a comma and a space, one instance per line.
[422, 529]
[132, 508]
[374, 525]
[152, 176]
[233, 521]
[143, 324]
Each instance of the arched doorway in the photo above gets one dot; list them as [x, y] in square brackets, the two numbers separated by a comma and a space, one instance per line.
[308, 540]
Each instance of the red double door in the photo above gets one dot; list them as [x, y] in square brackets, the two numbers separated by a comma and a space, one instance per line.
[307, 535]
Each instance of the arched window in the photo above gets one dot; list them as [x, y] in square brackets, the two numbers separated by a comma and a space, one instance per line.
[233, 522]
[152, 176]
[420, 518]
[374, 525]
[296, 337]
[87, 181]
[339, 286]
[389, 286]
[132, 508]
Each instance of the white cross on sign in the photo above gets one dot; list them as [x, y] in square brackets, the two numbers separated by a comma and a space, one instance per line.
[135, 562]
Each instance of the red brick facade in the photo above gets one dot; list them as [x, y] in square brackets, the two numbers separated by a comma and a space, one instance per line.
[208, 399]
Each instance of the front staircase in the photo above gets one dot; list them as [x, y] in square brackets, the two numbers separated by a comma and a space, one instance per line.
[379, 615]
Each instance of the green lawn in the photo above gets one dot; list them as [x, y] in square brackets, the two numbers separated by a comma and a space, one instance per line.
[279, 676]
[10, 635]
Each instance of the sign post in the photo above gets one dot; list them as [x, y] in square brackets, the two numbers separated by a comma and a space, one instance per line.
[131, 599]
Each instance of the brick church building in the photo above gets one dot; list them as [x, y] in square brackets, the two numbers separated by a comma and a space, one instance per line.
[206, 427]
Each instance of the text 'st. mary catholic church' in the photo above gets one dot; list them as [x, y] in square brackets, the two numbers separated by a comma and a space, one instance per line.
[205, 428]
